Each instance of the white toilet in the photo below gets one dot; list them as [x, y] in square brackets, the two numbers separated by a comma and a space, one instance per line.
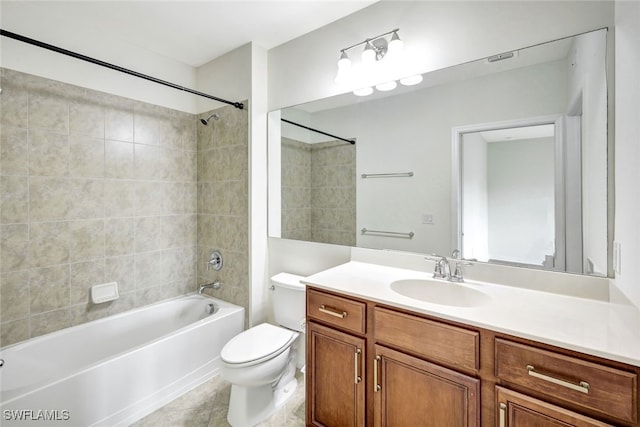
[260, 363]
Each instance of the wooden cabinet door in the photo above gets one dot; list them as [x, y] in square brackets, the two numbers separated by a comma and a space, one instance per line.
[335, 378]
[412, 392]
[519, 410]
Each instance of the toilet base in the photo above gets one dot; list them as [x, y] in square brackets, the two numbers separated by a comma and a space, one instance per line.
[249, 406]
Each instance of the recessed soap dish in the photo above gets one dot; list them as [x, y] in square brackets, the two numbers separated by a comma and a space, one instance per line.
[104, 293]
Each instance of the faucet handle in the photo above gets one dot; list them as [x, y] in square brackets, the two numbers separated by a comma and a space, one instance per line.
[457, 272]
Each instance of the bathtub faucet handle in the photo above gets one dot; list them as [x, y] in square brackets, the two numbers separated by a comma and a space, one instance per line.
[215, 261]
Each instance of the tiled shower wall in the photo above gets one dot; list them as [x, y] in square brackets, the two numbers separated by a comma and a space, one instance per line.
[296, 189]
[319, 192]
[223, 207]
[94, 188]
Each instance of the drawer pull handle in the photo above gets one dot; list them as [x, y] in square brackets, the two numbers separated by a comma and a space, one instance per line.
[582, 386]
[332, 311]
[356, 361]
[503, 415]
[376, 386]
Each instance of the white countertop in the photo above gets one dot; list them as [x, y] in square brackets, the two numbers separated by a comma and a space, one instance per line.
[598, 328]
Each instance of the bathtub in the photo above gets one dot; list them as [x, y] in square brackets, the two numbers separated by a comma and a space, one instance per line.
[114, 371]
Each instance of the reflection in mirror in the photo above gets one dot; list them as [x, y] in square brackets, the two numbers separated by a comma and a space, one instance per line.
[503, 160]
[507, 207]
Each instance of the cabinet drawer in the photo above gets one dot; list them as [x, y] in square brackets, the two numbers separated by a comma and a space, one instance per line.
[335, 310]
[433, 340]
[600, 388]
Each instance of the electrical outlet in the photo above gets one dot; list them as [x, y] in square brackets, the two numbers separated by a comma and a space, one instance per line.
[617, 257]
[427, 218]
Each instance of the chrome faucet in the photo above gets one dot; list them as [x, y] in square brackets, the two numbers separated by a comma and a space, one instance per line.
[214, 285]
[443, 268]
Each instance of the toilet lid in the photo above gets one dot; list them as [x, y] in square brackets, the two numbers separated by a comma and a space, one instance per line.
[256, 343]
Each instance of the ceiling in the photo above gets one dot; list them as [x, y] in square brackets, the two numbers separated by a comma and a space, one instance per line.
[191, 32]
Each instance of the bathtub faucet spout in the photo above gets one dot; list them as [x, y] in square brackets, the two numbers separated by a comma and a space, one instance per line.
[214, 285]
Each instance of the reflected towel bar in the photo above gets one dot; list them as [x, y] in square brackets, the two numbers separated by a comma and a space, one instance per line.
[408, 235]
[387, 175]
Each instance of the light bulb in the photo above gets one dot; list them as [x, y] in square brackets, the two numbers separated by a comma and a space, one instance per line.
[344, 63]
[395, 45]
[368, 54]
[363, 91]
[383, 87]
[411, 80]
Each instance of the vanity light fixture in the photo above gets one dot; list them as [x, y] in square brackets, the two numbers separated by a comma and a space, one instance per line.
[375, 49]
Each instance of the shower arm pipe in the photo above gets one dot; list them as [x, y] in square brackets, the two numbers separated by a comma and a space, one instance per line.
[350, 141]
[238, 105]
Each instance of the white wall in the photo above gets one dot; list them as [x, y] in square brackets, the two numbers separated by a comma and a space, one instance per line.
[521, 189]
[475, 211]
[588, 88]
[627, 147]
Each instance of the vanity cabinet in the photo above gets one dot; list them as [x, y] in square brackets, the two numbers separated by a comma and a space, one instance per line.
[412, 392]
[335, 361]
[371, 364]
[334, 374]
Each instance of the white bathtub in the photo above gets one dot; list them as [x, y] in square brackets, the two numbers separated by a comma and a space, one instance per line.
[113, 371]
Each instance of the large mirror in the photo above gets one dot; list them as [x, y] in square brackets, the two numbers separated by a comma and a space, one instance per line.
[503, 159]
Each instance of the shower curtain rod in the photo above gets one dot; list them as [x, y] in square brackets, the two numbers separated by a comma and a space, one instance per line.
[238, 105]
[350, 141]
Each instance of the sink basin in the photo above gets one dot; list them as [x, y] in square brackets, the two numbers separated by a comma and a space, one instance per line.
[443, 293]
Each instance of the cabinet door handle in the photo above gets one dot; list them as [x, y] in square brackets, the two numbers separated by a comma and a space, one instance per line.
[503, 415]
[376, 386]
[356, 361]
[582, 386]
[332, 311]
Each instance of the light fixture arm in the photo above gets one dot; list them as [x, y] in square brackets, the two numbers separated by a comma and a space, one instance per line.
[370, 40]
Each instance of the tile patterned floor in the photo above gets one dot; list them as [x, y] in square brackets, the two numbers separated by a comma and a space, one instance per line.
[206, 406]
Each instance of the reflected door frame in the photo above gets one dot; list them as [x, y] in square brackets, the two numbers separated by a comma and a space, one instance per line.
[457, 134]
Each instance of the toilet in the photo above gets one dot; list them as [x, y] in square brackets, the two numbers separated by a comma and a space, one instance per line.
[260, 363]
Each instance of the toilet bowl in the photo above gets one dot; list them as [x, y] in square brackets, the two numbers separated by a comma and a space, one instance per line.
[260, 363]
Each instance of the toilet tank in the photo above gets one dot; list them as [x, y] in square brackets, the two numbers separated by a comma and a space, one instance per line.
[288, 300]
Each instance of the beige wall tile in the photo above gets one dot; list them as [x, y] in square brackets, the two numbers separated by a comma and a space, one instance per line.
[121, 270]
[118, 124]
[86, 198]
[14, 296]
[86, 118]
[119, 198]
[15, 199]
[14, 247]
[147, 233]
[14, 105]
[48, 199]
[86, 156]
[119, 236]
[48, 154]
[49, 288]
[118, 159]
[14, 151]
[48, 244]
[48, 111]
[86, 240]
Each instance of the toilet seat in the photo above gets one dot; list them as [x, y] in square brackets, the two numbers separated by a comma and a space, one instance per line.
[259, 343]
